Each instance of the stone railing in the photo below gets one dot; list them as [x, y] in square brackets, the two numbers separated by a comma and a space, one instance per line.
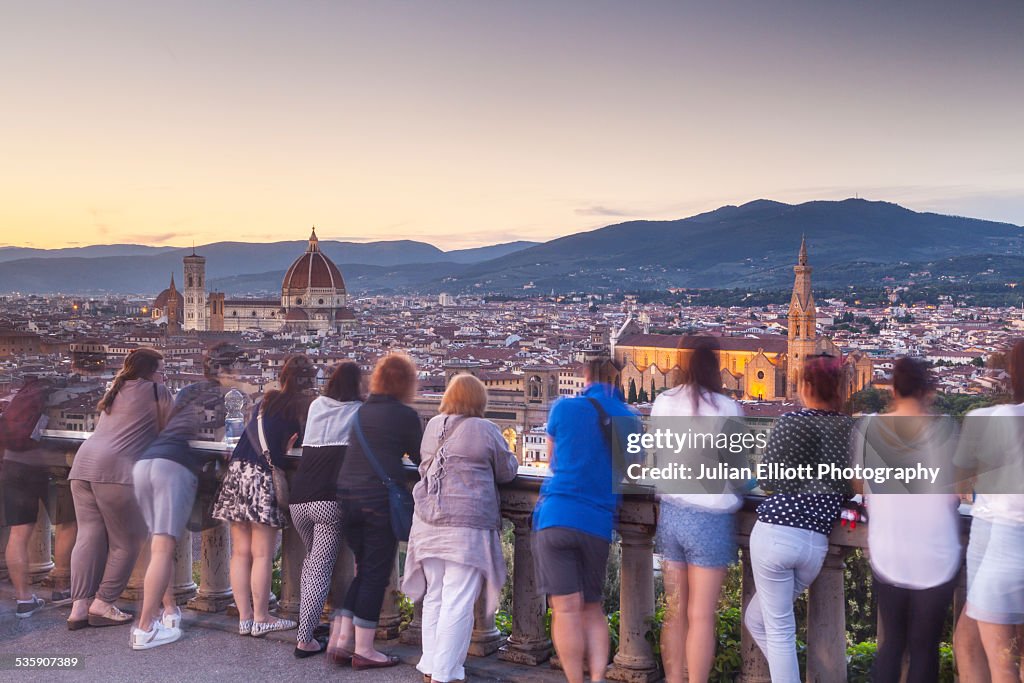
[528, 644]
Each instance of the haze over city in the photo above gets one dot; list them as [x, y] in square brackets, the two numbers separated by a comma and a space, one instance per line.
[463, 124]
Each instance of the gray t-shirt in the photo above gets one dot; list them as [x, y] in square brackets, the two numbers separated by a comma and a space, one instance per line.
[121, 435]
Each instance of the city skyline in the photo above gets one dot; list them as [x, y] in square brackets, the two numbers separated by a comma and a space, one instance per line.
[461, 125]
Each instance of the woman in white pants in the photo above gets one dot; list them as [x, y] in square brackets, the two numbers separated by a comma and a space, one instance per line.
[455, 543]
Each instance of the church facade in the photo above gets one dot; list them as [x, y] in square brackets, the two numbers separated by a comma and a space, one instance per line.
[761, 367]
[313, 300]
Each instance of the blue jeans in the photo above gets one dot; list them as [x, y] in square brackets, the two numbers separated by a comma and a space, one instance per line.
[785, 560]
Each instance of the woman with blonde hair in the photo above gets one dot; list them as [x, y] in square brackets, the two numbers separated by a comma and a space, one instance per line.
[455, 543]
[248, 501]
[384, 430]
[111, 528]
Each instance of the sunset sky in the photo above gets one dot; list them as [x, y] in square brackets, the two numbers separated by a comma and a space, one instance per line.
[467, 123]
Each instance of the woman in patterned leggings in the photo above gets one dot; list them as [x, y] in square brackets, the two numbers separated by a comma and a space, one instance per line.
[314, 505]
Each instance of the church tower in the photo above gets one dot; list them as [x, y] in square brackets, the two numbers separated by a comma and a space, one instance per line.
[802, 322]
[195, 292]
[173, 314]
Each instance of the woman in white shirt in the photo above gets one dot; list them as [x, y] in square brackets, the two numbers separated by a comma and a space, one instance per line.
[696, 531]
[914, 531]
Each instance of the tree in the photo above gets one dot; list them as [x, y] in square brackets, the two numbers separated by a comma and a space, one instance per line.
[643, 397]
[654, 392]
[631, 396]
[869, 400]
[978, 362]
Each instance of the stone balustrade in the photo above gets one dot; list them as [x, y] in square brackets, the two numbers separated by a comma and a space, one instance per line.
[528, 644]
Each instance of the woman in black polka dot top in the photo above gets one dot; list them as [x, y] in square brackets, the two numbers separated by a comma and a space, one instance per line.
[790, 539]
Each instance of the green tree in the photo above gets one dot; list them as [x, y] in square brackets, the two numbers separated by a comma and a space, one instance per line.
[978, 362]
[654, 392]
[643, 397]
[869, 400]
[631, 396]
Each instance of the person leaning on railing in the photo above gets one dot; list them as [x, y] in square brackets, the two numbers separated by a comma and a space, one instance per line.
[314, 501]
[111, 529]
[247, 499]
[390, 429]
[455, 543]
[790, 538]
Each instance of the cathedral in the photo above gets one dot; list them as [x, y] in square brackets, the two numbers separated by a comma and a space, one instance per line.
[313, 300]
[762, 367]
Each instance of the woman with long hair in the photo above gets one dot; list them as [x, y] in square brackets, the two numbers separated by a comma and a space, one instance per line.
[790, 538]
[455, 543]
[390, 429]
[696, 531]
[247, 499]
[914, 534]
[314, 500]
[111, 529]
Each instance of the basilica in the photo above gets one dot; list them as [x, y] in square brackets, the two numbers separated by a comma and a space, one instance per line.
[313, 300]
[754, 367]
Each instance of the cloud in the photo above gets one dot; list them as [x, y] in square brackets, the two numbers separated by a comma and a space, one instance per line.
[149, 238]
[603, 211]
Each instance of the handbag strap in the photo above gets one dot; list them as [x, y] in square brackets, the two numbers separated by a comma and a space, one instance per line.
[263, 440]
[159, 415]
[368, 452]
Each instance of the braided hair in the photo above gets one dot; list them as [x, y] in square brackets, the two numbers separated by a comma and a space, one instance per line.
[138, 364]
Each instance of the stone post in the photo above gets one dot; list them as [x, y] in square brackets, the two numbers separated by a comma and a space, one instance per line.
[183, 583]
[40, 549]
[293, 552]
[528, 643]
[486, 637]
[634, 662]
[390, 614]
[826, 622]
[214, 593]
[755, 666]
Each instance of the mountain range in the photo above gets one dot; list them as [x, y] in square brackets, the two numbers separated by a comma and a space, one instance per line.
[752, 245]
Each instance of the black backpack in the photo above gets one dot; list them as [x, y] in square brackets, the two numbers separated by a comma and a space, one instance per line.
[19, 421]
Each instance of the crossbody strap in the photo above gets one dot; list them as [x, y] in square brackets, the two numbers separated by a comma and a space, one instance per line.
[370, 457]
[263, 440]
[604, 420]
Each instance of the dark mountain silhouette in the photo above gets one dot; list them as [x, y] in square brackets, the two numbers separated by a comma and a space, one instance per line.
[93, 251]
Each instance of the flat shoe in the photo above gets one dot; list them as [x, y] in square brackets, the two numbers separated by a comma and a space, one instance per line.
[302, 654]
[360, 663]
[339, 657]
[77, 624]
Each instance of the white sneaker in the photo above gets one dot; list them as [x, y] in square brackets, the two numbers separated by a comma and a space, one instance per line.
[160, 635]
[172, 620]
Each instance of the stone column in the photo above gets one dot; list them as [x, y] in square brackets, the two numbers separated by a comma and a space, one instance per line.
[413, 633]
[40, 548]
[755, 666]
[528, 643]
[183, 583]
[344, 572]
[60, 491]
[133, 592]
[486, 637]
[390, 613]
[826, 622]
[214, 593]
[293, 552]
[634, 662]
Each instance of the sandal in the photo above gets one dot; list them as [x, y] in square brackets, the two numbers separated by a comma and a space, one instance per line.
[111, 617]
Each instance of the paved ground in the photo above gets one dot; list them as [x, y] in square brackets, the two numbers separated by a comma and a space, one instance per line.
[208, 651]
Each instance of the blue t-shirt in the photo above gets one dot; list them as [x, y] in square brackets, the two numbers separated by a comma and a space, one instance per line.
[581, 491]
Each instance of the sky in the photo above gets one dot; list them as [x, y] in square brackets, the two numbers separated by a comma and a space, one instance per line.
[470, 123]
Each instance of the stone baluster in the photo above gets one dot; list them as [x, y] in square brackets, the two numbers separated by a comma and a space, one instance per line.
[390, 613]
[64, 534]
[755, 666]
[40, 548]
[344, 572]
[214, 593]
[413, 633]
[634, 662]
[184, 584]
[528, 643]
[293, 552]
[826, 622]
[486, 638]
[133, 591]
[4, 535]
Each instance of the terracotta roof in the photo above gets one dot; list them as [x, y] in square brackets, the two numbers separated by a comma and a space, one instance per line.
[771, 343]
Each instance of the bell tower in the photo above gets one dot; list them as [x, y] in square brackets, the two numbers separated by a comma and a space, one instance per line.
[195, 292]
[802, 322]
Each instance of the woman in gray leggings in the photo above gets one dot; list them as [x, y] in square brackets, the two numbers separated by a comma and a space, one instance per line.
[111, 529]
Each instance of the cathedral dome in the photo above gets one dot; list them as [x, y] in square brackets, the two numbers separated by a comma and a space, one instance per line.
[312, 270]
[163, 297]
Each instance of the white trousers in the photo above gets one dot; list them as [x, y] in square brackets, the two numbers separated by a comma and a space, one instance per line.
[452, 589]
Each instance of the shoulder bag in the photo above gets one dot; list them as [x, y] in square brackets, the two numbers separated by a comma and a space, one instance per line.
[400, 503]
[276, 473]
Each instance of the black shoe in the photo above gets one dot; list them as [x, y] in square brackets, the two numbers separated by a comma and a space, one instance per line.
[29, 607]
[302, 654]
